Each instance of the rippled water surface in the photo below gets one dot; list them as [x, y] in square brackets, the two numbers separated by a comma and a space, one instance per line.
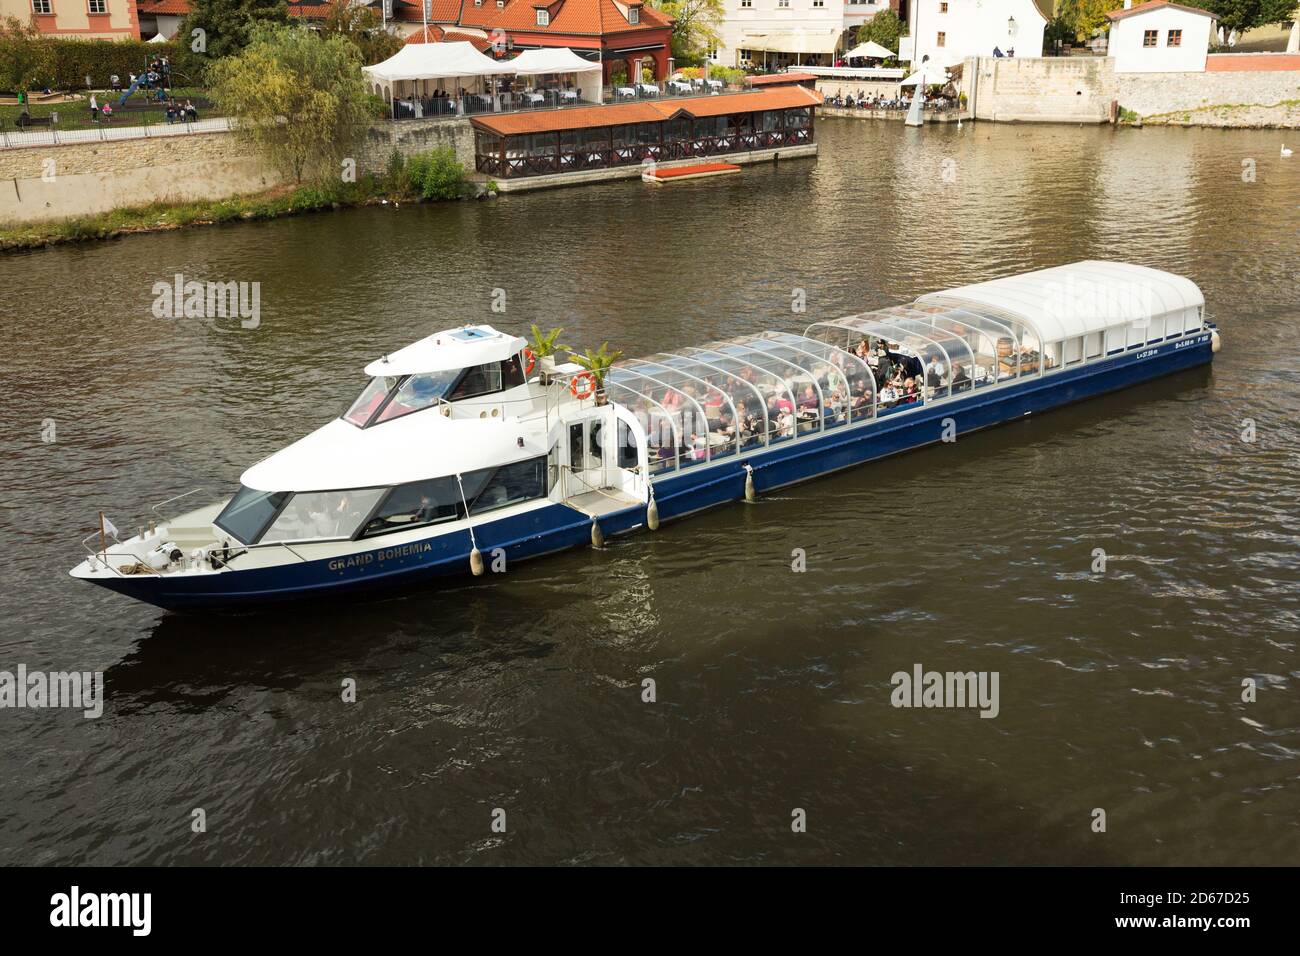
[1120, 691]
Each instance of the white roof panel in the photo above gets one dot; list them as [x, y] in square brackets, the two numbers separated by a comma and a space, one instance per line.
[1071, 300]
[414, 447]
[449, 349]
[432, 61]
[550, 60]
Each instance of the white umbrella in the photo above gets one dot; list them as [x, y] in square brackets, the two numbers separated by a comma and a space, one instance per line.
[869, 49]
[929, 75]
[157, 38]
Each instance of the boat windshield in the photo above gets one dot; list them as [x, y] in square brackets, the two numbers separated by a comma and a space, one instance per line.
[371, 397]
[249, 512]
[417, 392]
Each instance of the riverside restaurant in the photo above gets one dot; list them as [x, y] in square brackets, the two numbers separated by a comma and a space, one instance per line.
[606, 137]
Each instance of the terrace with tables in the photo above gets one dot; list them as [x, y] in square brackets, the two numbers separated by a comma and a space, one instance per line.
[627, 134]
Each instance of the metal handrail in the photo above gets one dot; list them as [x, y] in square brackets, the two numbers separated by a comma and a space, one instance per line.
[185, 494]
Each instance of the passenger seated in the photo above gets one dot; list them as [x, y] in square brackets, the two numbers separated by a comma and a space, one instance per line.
[808, 401]
[960, 380]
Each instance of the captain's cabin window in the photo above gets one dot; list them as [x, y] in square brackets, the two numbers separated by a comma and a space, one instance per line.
[387, 397]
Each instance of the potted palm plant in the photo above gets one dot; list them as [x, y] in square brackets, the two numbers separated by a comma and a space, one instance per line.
[546, 347]
[598, 363]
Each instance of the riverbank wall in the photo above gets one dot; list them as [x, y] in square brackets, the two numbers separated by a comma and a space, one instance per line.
[82, 179]
[1082, 89]
[69, 180]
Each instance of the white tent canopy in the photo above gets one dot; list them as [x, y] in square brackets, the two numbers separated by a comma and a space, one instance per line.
[157, 38]
[434, 61]
[869, 49]
[928, 75]
[794, 41]
[557, 60]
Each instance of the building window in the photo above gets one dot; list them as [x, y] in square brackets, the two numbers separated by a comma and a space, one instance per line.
[633, 14]
[43, 7]
[713, 54]
[783, 3]
[943, 8]
[941, 39]
[746, 4]
[1175, 38]
[543, 18]
[1149, 37]
[819, 3]
[99, 6]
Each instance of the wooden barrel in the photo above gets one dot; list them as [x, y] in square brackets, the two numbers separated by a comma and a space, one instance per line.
[1004, 347]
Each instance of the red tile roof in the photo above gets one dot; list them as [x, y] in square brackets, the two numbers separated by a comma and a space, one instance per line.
[780, 79]
[647, 111]
[580, 17]
[175, 8]
[436, 34]
[440, 11]
[1154, 5]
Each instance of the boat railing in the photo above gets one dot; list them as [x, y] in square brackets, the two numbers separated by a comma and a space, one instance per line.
[100, 556]
[157, 509]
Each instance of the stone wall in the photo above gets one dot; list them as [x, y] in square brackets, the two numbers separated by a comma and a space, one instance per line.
[1150, 94]
[1081, 89]
[416, 136]
[1043, 90]
[90, 178]
[78, 179]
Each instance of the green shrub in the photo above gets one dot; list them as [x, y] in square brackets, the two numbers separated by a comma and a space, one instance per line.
[437, 174]
[64, 64]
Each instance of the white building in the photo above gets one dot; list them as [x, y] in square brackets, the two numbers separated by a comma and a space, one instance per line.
[1159, 37]
[780, 33]
[948, 31]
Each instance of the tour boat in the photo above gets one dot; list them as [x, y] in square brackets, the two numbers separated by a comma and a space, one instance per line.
[465, 454]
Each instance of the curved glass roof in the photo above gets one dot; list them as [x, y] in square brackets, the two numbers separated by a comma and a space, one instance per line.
[705, 402]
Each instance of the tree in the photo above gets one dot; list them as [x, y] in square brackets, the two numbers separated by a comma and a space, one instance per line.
[228, 25]
[696, 26]
[26, 59]
[299, 97]
[362, 27]
[884, 28]
[1085, 17]
[1243, 15]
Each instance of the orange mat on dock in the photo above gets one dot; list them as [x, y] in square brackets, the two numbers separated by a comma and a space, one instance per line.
[701, 169]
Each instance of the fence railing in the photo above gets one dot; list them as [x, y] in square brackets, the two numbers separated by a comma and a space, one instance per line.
[53, 136]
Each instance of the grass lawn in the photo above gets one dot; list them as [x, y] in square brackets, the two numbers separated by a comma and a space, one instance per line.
[75, 114]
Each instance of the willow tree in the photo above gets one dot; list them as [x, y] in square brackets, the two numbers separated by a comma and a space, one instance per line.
[299, 98]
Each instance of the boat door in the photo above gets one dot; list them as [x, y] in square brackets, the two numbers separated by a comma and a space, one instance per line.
[589, 451]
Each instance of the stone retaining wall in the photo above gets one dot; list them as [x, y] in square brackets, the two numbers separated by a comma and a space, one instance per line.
[79, 179]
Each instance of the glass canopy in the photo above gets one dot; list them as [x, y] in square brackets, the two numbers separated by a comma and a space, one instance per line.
[716, 400]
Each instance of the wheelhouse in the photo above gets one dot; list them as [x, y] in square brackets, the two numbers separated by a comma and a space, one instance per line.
[454, 366]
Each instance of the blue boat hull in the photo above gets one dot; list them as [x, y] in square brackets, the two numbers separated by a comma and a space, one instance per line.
[558, 527]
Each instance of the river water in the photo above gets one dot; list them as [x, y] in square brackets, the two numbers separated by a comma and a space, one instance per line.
[1120, 690]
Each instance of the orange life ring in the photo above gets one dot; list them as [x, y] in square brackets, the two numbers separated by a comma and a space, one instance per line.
[532, 361]
[586, 389]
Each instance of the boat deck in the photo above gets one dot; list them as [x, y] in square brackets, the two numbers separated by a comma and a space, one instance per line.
[601, 503]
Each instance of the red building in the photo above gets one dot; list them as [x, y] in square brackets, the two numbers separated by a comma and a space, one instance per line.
[622, 34]
[619, 34]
